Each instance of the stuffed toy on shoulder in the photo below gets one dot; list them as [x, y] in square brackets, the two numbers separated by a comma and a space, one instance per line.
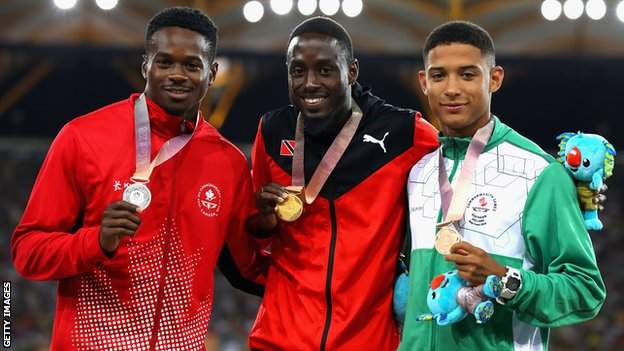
[589, 158]
[450, 299]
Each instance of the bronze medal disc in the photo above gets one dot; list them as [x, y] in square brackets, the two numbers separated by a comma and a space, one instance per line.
[447, 236]
[291, 209]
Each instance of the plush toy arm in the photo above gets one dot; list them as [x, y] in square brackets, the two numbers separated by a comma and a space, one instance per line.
[597, 182]
[449, 318]
[425, 317]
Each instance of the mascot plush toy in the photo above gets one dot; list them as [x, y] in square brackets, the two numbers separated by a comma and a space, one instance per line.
[589, 158]
[450, 299]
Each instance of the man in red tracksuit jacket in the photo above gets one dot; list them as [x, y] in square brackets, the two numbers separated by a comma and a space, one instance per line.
[130, 279]
[329, 284]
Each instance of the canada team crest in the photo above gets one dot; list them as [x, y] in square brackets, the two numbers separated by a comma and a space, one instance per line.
[209, 200]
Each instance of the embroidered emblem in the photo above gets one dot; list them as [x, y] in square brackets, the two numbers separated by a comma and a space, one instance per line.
[479, 207]
[209, 200]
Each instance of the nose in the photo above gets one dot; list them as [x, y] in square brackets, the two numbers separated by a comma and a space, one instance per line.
[452, 87]
[177, 74]
[311, 82]
[573, 158]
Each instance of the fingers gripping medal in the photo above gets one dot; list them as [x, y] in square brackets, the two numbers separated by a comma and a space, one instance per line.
[292, 207]
[138, 194]
[446, 237]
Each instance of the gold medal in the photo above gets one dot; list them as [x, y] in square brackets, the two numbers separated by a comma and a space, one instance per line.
[446, 237]
[292, 207]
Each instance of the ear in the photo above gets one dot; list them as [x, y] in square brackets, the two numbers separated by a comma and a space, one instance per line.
[214, 68]
[497, 74]
[354, 71]
[422, 79]
[144, 67]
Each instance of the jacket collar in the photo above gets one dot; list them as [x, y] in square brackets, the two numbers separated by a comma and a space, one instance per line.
[455, 147]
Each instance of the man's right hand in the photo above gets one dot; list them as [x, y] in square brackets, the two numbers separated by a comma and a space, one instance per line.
[267, 198]
[119, 219]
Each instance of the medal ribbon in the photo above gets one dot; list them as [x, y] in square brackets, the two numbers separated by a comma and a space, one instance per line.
[329, 160]
[144, 167]
[454, 203]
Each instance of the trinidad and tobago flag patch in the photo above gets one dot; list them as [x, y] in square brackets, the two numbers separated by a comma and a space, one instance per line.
[287, 148]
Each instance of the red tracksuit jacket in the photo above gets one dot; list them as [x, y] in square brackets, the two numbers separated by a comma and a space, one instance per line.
[155, 293]
[329, 285]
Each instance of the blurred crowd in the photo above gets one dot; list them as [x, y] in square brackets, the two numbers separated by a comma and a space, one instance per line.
[32, 305]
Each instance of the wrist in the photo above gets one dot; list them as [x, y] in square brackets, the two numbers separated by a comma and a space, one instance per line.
[511, 283]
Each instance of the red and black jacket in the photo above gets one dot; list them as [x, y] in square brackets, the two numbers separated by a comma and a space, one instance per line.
[329, 285]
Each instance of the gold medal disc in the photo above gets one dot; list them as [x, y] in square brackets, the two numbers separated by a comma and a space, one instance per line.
[447, 236]
[291, 209]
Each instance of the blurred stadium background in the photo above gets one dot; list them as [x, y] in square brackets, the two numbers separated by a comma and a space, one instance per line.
[59, 59]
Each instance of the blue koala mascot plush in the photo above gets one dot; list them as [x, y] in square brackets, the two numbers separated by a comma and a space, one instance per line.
[450, 299]
[589, 158]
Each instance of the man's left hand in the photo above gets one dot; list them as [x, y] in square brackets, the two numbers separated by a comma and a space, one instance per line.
[474, 264]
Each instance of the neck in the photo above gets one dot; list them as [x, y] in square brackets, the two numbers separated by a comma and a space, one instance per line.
[327, 127]
[467, 132]
[191, 115]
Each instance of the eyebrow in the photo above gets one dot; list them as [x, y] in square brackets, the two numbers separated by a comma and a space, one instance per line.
[442, 68]
[187, 57]
[321, 61]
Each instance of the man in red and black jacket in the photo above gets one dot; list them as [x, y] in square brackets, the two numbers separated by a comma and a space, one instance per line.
[329, 284]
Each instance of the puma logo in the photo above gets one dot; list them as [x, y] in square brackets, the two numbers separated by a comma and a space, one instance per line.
[370, 139]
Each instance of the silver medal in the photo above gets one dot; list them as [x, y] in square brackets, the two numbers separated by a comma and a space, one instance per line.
[138, 194]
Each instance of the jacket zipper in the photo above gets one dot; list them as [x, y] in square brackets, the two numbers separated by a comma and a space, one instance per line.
[330, 269]
[434, 327]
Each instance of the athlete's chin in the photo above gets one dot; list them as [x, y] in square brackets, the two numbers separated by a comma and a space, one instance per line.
[314, 113]
[454, 121]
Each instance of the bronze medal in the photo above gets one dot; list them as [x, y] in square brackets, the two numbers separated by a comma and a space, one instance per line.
[292, 207]
[446, 237]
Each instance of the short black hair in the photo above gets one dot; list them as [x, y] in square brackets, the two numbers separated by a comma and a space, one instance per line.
[326, 26]
[462, 32]
[187, 18]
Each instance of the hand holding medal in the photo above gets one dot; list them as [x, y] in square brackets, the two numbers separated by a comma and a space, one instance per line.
[118, 220]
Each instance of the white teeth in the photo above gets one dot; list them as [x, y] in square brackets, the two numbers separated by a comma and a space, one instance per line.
[313, 100]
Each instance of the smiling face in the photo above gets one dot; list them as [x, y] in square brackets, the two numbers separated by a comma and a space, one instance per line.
[178, 70]
[319, 76]
[458, 82]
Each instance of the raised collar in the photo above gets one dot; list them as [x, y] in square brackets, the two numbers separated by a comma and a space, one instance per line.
[455, 147]
[163, 123]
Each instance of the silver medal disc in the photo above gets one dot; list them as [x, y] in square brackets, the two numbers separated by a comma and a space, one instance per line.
[138, 194]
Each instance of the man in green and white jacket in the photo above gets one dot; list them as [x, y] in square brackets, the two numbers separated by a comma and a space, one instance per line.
[522, 220]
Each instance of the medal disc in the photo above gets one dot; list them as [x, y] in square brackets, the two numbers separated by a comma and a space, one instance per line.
[138, 194]
[447, 236]
[291, 209]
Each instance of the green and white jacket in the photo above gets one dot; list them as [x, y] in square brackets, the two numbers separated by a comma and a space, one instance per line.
[523, 210]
